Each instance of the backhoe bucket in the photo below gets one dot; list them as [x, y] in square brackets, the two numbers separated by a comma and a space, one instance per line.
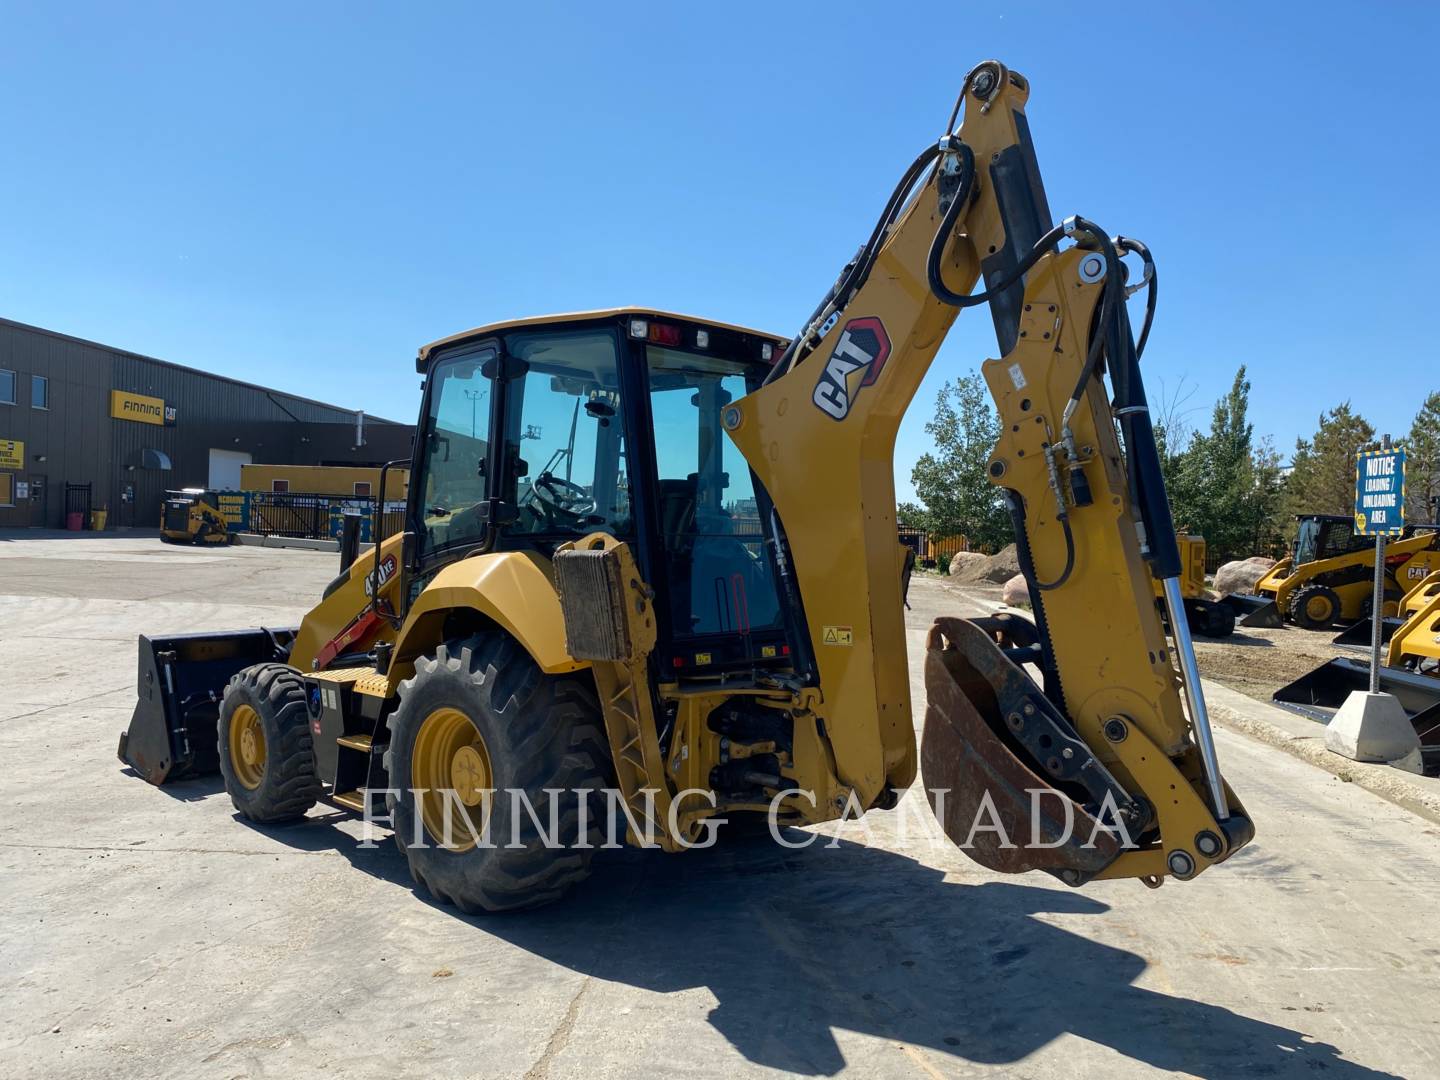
[995, 751]
[172, 732]
[1254, 610]
[1319, 693]
[1358, 634]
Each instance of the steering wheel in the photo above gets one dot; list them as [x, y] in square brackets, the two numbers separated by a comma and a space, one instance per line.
[562, 498]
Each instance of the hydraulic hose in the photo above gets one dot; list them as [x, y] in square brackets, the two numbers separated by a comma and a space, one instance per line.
[856, 273]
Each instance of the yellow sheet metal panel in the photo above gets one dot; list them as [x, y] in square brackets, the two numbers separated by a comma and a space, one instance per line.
[339, 480]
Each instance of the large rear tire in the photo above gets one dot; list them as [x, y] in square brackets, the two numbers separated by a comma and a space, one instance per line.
[479, 716]
[266, 754]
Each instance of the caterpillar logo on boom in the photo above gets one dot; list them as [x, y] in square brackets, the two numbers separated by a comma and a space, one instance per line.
[856, 362]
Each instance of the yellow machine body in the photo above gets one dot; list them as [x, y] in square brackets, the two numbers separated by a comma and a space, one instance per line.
[193, 516]
[819, 438]
[1350, 577]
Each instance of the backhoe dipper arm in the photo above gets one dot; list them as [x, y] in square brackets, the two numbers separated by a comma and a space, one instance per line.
[1108, 736]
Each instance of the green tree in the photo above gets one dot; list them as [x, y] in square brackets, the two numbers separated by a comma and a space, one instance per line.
[909, 514]
[1322, 475]
[951, 480]
[1222, 484]
[1422, 464]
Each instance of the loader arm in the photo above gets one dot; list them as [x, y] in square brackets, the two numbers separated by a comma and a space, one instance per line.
[1104, 727]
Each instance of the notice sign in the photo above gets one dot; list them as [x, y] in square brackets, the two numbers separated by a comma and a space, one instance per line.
[1380, 492]
[12, 454]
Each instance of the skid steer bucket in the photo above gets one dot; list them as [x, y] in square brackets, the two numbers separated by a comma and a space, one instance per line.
[1358, 634]
[172, 732]
[1319, 693]
[992, 740]
[1254, 610]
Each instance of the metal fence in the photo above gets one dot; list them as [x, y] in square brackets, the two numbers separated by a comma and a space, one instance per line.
[314, 517]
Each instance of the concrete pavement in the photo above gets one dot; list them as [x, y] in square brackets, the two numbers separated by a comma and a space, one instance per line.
[150, 932]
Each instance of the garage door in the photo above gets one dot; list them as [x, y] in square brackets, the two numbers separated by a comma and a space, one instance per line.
[225, 469]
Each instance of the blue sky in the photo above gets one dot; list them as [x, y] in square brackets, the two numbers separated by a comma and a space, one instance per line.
[300, 195]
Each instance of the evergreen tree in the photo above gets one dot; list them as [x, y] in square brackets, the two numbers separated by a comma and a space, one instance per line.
[1422, 464]
[1322, 476]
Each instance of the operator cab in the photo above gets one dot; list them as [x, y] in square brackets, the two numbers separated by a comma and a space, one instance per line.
[1326, 536]
[539, 432]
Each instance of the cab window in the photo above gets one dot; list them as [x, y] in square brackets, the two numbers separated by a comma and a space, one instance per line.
[566, 472]
[718, 573]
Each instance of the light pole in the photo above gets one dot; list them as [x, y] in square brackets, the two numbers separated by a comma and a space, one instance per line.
[474, 396]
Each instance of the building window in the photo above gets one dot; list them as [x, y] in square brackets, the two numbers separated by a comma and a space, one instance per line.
[7, 387]
[362, 487]
[280, 485]
[39, 392]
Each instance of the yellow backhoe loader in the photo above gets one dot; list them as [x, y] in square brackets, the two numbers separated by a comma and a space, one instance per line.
[667, 570]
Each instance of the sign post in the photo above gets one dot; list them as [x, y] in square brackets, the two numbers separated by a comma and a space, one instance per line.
[1379, 512]
[1372, 726]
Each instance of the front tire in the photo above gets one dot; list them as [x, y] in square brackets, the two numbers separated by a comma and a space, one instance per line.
[477, 726]
[1315, 607]
[266, 754]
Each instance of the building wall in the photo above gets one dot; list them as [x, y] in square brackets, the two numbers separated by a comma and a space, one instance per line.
[76, 440]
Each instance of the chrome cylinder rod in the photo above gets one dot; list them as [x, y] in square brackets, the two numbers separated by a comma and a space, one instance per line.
[1195, 696]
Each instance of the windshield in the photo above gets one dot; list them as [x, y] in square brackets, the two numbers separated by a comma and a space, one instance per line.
[454, 448]
[719, 576]
[1307, 541]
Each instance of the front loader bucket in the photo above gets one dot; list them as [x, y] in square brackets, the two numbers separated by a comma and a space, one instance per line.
[1358, 634]
[1254, 610]
[1319, 693]
[172, 732]
[992, 740]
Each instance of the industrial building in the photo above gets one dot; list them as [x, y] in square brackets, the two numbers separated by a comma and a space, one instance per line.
[88, 426]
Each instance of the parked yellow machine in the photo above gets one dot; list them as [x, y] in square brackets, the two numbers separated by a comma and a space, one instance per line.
[1330, 577]
[671, 571]
[193, 516]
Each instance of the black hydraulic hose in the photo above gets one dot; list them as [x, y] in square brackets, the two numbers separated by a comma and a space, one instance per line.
[1107, 308]
[1126, 243]
[944, 294]
[1046, 586]
[859, 269]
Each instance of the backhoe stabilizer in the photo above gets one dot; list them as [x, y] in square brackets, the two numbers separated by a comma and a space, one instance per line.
[1018, 789]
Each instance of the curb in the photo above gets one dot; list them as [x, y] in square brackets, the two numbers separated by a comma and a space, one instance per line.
[1305, 739]
[256, 540]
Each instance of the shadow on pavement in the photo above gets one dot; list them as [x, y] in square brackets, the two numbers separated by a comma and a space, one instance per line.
[796, 944]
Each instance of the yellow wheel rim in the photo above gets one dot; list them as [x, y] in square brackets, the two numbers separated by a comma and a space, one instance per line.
[247, 747]
[1318, 607]
[450, 768]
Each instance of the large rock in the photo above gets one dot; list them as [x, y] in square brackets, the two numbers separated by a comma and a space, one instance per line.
[1017, 592]
[962, 559]
[992, 569]
[1241, 576]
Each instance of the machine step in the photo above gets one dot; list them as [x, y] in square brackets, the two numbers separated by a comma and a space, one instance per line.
[355, 742]
[351, 800]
